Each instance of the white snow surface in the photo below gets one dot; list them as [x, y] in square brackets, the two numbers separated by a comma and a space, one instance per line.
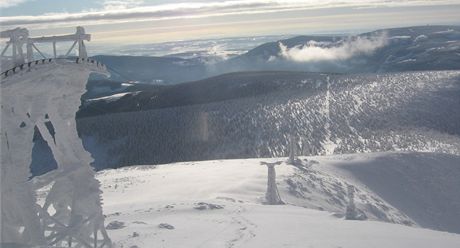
[114, 97]
[220, 203]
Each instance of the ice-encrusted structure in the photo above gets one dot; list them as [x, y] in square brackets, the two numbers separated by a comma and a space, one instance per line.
[45, 96]
[272, 196]
[19, 41]
[292, 149]
[351, 213]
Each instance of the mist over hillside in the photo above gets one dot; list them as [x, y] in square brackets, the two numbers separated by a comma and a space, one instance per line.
[388, 50]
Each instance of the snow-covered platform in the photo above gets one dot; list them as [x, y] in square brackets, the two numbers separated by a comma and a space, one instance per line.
[220, 203]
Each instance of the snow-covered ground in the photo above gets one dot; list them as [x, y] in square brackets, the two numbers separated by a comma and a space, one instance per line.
[113, 97]
[220, 203]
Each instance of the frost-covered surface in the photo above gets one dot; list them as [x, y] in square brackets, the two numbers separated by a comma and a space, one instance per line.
[220, 203]
[411, 111]
[45, 97]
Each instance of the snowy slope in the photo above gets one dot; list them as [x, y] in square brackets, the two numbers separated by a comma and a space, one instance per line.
[327, 113]
[220, 203]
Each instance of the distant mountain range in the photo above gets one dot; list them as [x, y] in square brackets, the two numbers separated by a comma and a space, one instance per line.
[388, 50]
[402, 49]
[146, 113]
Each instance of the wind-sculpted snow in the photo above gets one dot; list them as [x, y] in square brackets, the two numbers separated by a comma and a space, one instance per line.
[220, 203]
[424, 186]
[414, 111]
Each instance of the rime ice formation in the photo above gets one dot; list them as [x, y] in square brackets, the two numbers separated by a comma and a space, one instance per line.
[292, 149]
[352, 212]
[71, 214]
[272, 197]
[19, 39]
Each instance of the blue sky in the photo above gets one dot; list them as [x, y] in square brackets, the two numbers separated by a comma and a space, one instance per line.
[148, 21]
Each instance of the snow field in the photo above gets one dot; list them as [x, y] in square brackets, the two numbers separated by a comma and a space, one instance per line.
[220, 203]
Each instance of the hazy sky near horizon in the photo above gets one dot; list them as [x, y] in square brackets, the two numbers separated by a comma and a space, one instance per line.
[148, 21]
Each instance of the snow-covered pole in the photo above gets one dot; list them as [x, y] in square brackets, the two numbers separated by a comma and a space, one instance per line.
[351, 213]
[292, 149]
[272, 196]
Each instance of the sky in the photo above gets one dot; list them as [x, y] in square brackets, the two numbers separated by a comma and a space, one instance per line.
[149, 21]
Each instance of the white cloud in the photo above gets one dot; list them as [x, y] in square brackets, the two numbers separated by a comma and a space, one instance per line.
[121, 4]
[317, 52]
[10, 3]
[114, 11]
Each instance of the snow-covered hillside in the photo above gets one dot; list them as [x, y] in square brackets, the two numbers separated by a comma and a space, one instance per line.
[327, 113]
[395, 49]
[220, 203]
